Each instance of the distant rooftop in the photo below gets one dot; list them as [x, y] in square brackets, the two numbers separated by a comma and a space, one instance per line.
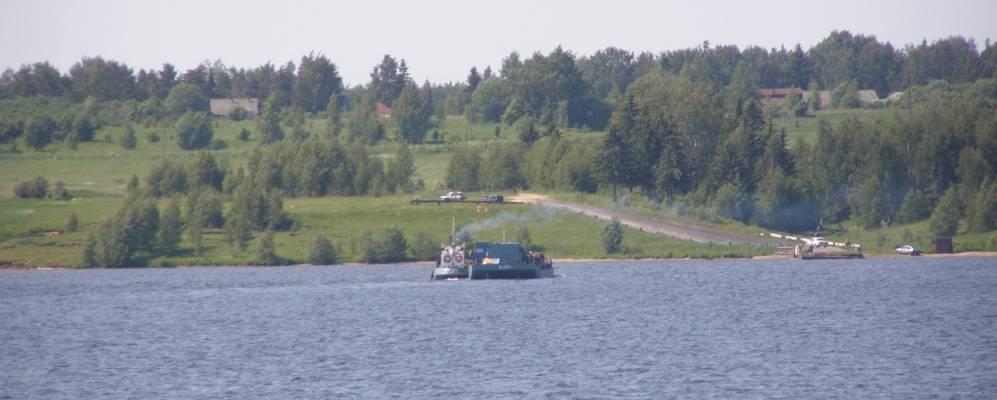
[382, 110]
[224, 107]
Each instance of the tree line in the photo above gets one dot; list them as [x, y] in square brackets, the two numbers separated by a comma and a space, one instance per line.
[683, 127]
[308, 84]
[558, 88]
[685, 144]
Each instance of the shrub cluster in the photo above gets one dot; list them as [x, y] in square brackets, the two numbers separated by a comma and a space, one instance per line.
[38, 188]
[385, 246]
[321, 252]
[34, 189]
[612, 237]
[319, 168]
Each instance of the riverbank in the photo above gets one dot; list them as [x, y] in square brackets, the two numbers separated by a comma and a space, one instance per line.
[33, 232]
[881, 256]
[9, 266]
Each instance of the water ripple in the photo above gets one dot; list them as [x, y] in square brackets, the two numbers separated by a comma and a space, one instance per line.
[899, 328]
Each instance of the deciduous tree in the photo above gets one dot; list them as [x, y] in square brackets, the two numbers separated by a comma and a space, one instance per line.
[321, 252]
[612, 236]
[317, 81]
[268, 125]
[39, 132]
[400, 170]
[170, 227]
[411, 111]
[388, 79]
[944, 221]
[194, 131]
[463, 169]
[184, 98]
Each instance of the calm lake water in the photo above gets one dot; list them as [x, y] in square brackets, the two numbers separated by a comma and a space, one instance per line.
[891, 328]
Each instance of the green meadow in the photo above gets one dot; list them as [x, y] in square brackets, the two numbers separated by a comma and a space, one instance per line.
[882, 240]
[33, 232]
[807, 127]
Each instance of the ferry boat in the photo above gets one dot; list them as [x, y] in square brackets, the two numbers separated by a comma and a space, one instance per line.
[491, 260]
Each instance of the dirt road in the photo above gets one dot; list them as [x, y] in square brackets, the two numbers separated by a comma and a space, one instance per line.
[659, 226]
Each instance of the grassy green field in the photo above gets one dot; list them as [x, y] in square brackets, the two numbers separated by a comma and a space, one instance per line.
[32, 231]
[874, 241]
[806, 127]
[105, 167]
[96, 174]
[885, 239]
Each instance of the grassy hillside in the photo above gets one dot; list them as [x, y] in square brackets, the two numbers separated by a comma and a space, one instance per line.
[105, 167]
[31, 231]
[97, 172]
[806, 127]
[881, 240]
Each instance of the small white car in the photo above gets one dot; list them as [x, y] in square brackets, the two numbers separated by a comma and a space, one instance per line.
[452, 196]
[818, 241]
[908, 250]
[492, 198]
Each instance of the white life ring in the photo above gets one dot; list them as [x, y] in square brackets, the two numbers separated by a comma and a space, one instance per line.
[458, 258]
[446, 258]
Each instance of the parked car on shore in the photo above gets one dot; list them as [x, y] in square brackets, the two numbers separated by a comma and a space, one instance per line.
[492, 198]
[908, 250]
[452, 196]
[818, 241]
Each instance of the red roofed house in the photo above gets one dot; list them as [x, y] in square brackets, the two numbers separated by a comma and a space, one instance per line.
[382, 110]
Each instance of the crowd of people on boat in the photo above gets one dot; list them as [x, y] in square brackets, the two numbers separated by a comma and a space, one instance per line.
[535, 257]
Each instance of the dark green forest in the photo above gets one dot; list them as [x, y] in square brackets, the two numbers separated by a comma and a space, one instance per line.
[685, 128]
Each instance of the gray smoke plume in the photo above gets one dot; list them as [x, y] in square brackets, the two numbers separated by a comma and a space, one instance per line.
[537, 213]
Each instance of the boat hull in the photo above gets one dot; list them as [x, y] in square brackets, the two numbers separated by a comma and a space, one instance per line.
[443, 273]
[510, 271]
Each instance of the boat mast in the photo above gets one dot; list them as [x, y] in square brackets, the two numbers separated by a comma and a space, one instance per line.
[453, 228]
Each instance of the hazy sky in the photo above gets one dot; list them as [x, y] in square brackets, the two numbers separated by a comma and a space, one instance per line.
[441, 40]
